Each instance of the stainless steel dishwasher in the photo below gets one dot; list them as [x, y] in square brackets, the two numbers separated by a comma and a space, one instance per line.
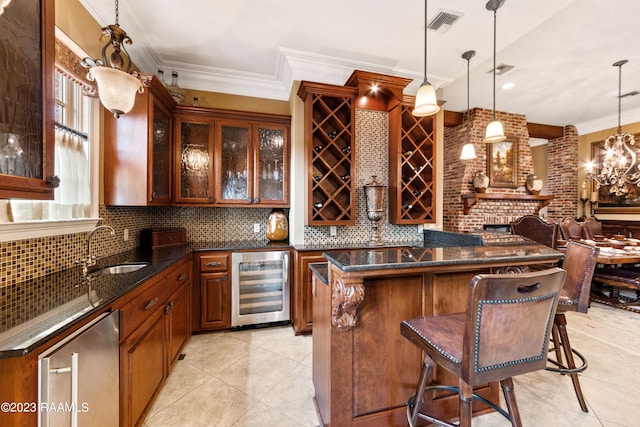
[79, 377]
[259, 287]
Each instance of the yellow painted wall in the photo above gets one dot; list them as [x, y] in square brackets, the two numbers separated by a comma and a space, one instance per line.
[584, 153]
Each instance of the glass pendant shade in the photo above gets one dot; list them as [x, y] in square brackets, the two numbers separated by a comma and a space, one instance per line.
[468, 152]
[116, 88]
[426, 101]
[495, 132]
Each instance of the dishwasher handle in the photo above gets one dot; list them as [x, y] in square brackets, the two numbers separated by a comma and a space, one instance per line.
[45, 372]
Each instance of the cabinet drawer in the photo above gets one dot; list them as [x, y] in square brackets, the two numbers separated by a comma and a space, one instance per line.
[136, 311]
[210, 263]
[177, 277]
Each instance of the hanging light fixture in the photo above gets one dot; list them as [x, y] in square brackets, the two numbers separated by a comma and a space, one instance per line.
[495, 130]
[468, 150]
[620, 164]
[426, 101]
[117, 85]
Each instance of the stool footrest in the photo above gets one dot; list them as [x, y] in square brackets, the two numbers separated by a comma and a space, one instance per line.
[566, 370]
[444, 423]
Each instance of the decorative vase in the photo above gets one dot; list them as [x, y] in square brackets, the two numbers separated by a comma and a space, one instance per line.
[374, 194]
[534, 184]
[277, 226]
[480, 182]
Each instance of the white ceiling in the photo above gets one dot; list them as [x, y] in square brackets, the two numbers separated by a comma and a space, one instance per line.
[562, 50]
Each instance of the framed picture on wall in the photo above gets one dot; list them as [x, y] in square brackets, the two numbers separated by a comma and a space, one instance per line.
[610, 202]
[502, 163]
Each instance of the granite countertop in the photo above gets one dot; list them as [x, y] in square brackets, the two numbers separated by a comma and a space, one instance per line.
[413, 257]
[55, 303]
[321, 270]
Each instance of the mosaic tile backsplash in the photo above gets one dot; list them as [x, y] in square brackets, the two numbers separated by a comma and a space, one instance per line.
[372, 158]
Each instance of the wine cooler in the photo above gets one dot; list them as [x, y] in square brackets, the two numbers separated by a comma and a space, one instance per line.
[259, 287]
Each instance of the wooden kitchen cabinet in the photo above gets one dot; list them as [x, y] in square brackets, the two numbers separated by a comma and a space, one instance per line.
[302, 305]
[142, 365]
[253, 163]
[178, 311]
[138, 151]
[27, 118]
[155, 324]
[412, 167]
[194, 158]
[329, 129]
[212, 306]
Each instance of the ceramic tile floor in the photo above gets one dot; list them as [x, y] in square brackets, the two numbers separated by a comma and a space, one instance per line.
[262, 378]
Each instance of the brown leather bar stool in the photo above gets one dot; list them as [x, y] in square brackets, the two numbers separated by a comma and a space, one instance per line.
[579, 262]
[503, 332]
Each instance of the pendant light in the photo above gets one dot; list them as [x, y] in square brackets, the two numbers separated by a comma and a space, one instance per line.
[468, 150]
[426, 101]
[117, 84]
[495, 130]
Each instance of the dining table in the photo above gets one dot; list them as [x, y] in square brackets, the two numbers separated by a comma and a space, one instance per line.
[616, 279]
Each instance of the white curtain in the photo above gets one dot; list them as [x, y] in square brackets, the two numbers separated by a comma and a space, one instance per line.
[73, 196]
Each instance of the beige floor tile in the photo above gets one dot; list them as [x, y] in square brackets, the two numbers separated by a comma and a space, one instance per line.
[262, 377]
[183, 379]
[215, 354]
[262, 415]
[256, 372]
[213, 403]
[293, 396]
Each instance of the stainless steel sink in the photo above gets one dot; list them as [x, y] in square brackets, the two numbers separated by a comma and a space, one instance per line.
[121, 268]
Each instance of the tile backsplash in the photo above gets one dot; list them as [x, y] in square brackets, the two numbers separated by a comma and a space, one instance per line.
[29, 259]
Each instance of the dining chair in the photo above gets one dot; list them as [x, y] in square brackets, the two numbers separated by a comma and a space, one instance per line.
[579, 262]
[503, 332]
[591, 227]
[570, 228]
[537, 229]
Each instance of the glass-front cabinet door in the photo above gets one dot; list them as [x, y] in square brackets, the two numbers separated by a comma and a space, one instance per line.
[194, 159]
[272, 166]
[160, 135]
[234, 184]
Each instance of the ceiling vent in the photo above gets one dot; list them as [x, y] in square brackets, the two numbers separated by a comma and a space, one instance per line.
[501, 69]
[632, 93]
[443, 20]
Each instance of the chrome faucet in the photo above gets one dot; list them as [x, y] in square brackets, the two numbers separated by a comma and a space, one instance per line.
[89, 259]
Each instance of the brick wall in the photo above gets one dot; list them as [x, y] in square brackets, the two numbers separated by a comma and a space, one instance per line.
[563, 166]
[458, 174]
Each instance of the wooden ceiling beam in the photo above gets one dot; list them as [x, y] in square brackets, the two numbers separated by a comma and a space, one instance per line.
[536, 130]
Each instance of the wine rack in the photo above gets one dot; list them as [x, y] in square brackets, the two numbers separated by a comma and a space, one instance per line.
[411, 167]
[329, 150]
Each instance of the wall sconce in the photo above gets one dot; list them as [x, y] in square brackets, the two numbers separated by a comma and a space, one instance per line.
[117, 85]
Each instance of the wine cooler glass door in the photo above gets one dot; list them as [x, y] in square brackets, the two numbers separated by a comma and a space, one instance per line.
[260, 287]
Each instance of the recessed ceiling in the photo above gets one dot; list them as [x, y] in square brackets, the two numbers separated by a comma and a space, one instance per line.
[562, 50]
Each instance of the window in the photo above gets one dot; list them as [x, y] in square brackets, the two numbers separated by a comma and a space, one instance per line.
[74, 208]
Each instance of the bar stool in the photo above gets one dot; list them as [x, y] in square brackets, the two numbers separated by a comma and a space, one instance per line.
[503, 332]
[579, 262]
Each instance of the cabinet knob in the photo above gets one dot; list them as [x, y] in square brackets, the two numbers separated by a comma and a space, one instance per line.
[53, 181]
[169, 307]
[257, 200]
[153, 195]
[214, 264]
[182, 277]
[224, 278]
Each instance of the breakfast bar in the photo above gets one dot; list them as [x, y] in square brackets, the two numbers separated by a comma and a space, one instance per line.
[363, 369]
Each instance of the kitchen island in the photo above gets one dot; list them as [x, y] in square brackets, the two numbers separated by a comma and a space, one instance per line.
[363, 369]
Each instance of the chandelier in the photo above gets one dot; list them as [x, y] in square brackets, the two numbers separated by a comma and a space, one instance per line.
[619, 165]
[117, 84]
